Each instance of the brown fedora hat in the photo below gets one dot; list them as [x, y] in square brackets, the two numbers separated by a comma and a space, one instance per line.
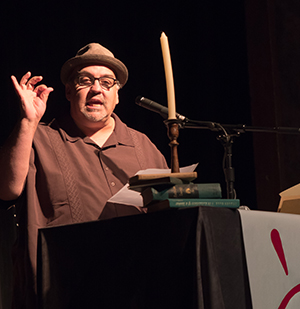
[94, 54]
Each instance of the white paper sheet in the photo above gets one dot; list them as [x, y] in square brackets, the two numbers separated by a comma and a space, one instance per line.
[129, 197]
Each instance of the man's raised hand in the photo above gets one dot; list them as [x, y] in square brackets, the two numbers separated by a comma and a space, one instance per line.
[33, 97]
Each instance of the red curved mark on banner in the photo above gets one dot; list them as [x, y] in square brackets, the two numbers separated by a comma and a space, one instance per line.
[288, 296]
[276, 240]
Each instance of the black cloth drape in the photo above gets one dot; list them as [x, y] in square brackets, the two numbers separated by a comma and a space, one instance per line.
[7, 238]
[178, 258]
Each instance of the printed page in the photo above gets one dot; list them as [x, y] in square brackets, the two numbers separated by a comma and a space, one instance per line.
[130, 197]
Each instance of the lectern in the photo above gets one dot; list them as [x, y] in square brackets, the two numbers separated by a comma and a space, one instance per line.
[177, 258]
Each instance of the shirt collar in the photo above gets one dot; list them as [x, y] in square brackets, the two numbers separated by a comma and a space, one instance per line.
[70, 132]
[68, 129]
[120, 135]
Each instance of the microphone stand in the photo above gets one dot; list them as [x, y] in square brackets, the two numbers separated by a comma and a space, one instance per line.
[226, 137]
[228, 133]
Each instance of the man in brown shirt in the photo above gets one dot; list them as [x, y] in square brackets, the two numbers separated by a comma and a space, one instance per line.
[65, 171]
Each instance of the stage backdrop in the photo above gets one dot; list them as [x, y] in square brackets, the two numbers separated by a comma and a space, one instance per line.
[274, 65]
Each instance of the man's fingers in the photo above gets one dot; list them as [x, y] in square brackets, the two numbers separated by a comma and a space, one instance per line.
[43, 92]
[14, 81]
[25, 78]
[33, 81]
[41, 88]
[17, 87]
[27, 81]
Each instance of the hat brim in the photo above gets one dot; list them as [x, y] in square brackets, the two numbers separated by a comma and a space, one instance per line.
[112, 63]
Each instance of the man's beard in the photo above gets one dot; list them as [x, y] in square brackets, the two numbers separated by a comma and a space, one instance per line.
[93, 117]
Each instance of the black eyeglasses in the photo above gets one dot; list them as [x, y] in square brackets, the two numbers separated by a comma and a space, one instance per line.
[89, 80]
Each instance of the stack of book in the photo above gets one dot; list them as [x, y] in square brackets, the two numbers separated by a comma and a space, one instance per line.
[173, 192]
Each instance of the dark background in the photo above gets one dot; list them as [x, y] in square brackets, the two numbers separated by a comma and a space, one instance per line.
[209, 57]
[234, 62]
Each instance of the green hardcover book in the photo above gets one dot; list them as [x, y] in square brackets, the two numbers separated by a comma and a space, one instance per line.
[185, 203]
[186, 191]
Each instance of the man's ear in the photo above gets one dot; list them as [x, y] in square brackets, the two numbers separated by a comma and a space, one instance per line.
[68, 91]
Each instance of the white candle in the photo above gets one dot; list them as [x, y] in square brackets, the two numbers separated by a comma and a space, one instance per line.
[169, 76]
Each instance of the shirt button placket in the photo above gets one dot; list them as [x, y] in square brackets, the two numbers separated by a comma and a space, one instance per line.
[112, 183]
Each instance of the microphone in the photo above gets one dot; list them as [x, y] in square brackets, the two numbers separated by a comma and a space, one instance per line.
[155, 107]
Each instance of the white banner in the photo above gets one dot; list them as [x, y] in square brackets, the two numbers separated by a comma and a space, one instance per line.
[272, 248]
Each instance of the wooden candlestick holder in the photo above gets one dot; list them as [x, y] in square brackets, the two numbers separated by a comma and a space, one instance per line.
[140, 181]
[173, 133]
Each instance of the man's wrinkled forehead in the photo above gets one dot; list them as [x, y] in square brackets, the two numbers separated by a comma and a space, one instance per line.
[87, 70]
